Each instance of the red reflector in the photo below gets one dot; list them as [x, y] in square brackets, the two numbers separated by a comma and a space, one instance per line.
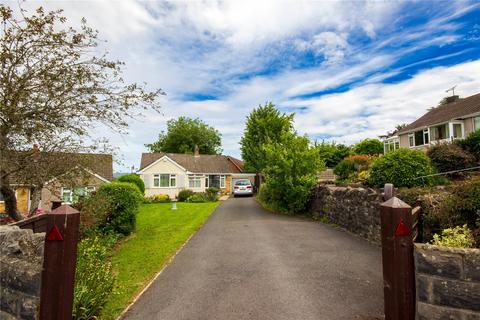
[249, 187]
[236, 187]
[54, 234]
[402, 230]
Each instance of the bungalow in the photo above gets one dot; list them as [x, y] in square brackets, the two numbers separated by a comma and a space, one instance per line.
[168, 173]
[68, 187]
[456, 119]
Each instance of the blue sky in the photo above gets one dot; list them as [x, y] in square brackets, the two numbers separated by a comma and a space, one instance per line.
[349, 70]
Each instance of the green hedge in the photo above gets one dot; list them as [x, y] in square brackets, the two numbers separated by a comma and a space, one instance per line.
[183, 195]
[400, 167]
[124, 200]
[135, 179]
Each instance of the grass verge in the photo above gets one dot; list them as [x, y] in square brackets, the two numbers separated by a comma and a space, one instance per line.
[160, 232]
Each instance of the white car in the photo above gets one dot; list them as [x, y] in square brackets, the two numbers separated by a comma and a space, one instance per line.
[242, 187]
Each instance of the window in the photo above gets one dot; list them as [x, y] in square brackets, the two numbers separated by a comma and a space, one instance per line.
[207, 182]
[425, 136]
[194, 181]
[391, 144]
[457, 131]
[411, 140]
[70, 195]
[439, 132]
[222, 181]
[476, 123]
[164, 180]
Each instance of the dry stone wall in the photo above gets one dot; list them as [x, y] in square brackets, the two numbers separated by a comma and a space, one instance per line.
[21, 259]
[355, 209]
[448, 282]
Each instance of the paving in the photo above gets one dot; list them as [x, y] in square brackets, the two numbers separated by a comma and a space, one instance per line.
[248, 263]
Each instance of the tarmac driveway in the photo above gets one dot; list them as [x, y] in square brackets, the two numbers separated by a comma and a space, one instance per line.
[248, 263]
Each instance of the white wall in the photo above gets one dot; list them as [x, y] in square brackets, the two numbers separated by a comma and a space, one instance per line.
[167, 167]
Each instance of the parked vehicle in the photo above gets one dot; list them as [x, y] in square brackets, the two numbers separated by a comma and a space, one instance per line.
[242, 187]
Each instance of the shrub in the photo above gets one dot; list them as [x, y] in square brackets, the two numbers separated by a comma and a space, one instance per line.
[361, 161]
[450, 156]
[332, 153]
[123, 203]
[196, 198]
[459, 237]
[135, 179]
[183, 195]
[344, 169]
[400, 167]
[158, 198]
[94, 277]
[472, 143]
[369, 147]
[94, 211]
[211, 194]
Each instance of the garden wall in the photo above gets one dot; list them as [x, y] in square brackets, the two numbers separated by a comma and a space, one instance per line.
[21, 259]
[448, 282]
[355, 209]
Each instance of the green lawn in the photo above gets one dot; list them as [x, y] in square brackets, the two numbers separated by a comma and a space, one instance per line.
[159, 234]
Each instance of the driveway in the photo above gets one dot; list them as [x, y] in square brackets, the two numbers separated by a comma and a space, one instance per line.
[248, 263]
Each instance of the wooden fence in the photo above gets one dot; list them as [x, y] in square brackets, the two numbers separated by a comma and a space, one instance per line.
[400, 228]
[61, 228]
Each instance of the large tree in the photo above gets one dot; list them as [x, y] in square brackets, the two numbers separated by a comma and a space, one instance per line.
[55, 91]
[184, 133]
[265, 125]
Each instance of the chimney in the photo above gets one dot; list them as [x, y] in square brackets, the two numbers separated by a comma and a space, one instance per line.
[196, 151]
[451, 99]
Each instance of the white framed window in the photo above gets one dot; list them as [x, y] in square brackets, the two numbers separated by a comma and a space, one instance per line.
[440, 132]
[164, 180]
[70, 195]
[222, 181]
[207, 182]
[194, 181]
[476, 123]
[457, 130]
[411, 140]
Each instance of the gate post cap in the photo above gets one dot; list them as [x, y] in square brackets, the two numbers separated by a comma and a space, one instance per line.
[395, 203]
[65, 209]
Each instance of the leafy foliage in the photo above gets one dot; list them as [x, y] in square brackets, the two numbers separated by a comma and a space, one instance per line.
[332, 153]
[369, 146]
[94, 278]
[211, 194]
[135, 179]
[344, 169]
[472, 143]
[124, 200]
[196, 198]
[158, 198]
[458, 237]
[264, 125]
[183, 195]
[184, 133]
[449, 156]
[400, 167]
[291, 172]
[55, 88]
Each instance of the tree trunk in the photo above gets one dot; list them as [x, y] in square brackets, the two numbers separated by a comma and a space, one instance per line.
[36, 196]
[9, 197]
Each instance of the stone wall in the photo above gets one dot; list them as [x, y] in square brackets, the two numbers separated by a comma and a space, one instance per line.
[21, 259]
[355, 209]
[448, 282]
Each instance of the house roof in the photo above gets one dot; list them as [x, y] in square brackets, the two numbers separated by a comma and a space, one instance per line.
[204, 163]
[454, 110]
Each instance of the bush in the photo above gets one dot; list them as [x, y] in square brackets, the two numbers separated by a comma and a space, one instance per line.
[332, 153]
[124, 200]
[196, 198]
[458, 237]
[183, 195]
[400, 167]
[450, 156]
[94, 277]
[211, 194]
[369, 147]
[158, 198]
[472, 143]
[344, 169]
[135, 179]
[94, 210]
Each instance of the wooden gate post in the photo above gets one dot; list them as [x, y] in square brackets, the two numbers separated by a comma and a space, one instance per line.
[397, 260]
[60, 258]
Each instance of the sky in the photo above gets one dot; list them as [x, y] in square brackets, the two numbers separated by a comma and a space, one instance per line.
[348, 70]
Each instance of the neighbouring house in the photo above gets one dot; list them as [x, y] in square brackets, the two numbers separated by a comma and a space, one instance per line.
[67, 189]
[168, 173]
[456, 119]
